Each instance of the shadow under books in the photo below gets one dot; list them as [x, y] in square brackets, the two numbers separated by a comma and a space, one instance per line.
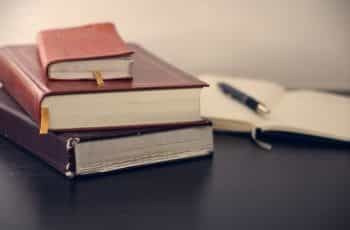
[46, 196]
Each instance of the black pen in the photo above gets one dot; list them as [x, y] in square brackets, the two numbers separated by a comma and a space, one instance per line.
[243, 98]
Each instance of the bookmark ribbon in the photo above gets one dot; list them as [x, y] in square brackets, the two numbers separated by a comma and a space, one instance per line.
[98, 78]
[44, 123]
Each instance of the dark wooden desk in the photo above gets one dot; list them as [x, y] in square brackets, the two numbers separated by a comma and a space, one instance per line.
[300, 186]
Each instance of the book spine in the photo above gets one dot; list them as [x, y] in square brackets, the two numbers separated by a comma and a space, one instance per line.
[25, 92]
[22, 131]
[42, 52]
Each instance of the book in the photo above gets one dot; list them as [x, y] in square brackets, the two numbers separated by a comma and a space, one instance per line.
[90, 152]
[158, 94]
[79, 52]
[305, 112]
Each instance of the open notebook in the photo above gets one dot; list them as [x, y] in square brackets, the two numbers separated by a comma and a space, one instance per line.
[305, 112]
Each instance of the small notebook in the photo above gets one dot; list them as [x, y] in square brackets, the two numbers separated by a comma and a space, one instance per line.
[303, 112]
[81, 52]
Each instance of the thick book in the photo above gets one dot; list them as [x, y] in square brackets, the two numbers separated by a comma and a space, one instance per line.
[158, 94]
[89, 152]
[310, 113]
[80, 52]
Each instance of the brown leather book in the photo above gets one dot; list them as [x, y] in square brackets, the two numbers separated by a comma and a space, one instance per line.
[77, 52]
[158, 94]
[80, 153]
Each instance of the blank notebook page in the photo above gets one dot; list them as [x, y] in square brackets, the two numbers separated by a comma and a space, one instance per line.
[300, 111]
[313, 113]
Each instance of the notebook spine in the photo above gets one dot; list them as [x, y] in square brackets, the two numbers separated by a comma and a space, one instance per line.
[21, 88]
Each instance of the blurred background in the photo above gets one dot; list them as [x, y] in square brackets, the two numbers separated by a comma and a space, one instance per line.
[299, 43]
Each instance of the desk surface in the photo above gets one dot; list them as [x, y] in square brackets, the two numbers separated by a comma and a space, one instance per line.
[300, 186]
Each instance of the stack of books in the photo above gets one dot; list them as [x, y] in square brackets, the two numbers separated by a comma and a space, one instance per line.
[86, 102]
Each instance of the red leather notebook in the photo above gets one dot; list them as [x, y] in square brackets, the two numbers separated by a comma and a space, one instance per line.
[158, 94]
[99, 41]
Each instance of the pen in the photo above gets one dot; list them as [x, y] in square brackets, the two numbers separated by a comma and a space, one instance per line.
[243, 98]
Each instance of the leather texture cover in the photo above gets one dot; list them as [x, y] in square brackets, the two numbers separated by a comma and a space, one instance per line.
[53, 148]
[91, 41]
[25, 80]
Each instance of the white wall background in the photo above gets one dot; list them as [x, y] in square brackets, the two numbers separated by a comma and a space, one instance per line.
[301, 43]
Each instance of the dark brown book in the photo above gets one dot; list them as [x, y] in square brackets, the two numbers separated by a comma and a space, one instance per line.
[158, 94]
[79, 153]
[78, 52]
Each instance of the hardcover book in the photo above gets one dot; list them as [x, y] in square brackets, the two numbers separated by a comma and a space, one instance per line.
[80, 52]
[89, 152]
[158, 94]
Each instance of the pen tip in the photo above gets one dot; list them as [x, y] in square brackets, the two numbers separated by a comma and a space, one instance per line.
[262, 109]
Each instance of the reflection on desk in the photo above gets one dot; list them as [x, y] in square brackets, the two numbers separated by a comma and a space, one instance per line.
[295, 186]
